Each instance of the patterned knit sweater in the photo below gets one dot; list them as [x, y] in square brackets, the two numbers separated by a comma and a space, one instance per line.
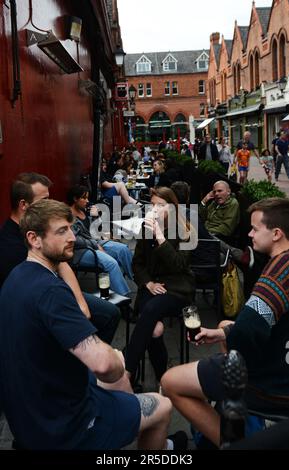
[261, 332]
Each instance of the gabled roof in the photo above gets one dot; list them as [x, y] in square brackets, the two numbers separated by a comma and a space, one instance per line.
[264, 17]
[186, 62]
[244, 34]
[143, 56]
[169, 55]
[229, 44]
[217, 49]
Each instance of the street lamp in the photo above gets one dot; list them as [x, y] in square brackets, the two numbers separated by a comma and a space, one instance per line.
[119, 56]
[132, 93]
[282, 84]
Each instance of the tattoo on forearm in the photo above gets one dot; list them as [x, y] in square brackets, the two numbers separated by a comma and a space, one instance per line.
[148, 404]
[86, 342]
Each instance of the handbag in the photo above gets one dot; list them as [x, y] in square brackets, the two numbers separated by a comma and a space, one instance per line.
[232, 292]
[233, 172]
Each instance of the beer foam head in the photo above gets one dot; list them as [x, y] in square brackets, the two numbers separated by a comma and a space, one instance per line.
[192, 322]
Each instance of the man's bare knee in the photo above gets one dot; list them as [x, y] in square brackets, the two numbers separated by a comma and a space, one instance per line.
[155, 409]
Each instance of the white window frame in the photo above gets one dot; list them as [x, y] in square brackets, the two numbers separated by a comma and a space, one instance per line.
[139, 89]
[203, 58]
[149, 90]
[168, 63]
[143, 65]
[175, 86]
[202, 87]
[167, 87]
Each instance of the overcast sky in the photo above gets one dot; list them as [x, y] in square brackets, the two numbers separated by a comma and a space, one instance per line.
[176, 25]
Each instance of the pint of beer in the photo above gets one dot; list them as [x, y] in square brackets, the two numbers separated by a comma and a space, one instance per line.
[104, 284]
[192, 321]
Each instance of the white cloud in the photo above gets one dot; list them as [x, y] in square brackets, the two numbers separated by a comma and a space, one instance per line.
[162, 25]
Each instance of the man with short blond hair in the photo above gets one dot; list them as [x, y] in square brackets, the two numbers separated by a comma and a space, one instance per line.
[50, 356]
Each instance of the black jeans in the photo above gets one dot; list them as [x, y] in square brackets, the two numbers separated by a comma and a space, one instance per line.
[104, 316]
[152, 308]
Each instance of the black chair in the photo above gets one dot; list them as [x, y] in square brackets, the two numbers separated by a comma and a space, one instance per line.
[208, 271]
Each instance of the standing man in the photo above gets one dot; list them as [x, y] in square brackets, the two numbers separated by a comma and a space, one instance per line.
[50, 353]
[260, 334]
[208, 150]
[281, 148]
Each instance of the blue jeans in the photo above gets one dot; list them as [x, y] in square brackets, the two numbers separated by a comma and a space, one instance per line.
[109, 265]
[121, 253]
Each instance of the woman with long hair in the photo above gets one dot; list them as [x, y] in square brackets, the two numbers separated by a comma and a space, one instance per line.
[165, 282]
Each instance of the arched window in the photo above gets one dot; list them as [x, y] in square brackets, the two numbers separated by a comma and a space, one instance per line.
[159, 127]
[238, 81]
[274, 61]
[235, 79]
[251, 65]
[282, 56]
[257, 70]
[179, 123]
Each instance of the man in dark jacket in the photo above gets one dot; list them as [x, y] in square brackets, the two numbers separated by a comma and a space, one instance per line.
[208, 150]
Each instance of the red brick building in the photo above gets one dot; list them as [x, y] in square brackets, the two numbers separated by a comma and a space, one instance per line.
[170, 93]
[248, 76]
[56, 112]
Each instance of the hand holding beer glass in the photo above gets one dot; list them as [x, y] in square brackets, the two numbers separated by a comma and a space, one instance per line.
[192, 321]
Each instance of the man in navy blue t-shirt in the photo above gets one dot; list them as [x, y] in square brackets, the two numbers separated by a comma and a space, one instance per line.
[50, 355]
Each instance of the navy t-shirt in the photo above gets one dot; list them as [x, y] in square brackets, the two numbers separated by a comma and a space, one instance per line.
[45, 388]
[250, 145]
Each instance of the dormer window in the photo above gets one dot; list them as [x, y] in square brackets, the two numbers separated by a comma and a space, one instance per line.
[143, 65]
[170, 64]
[203, 62]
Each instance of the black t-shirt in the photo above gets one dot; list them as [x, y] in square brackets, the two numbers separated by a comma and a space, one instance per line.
[250, 145]
[12, 248]
[45, 388]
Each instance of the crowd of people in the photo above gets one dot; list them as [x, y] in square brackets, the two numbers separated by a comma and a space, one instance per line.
[62, 384]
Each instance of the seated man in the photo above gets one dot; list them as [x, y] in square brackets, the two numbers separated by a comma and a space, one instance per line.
[29, 188]
[109, 255]
[260, 334]
[220, 211]
[50, 356]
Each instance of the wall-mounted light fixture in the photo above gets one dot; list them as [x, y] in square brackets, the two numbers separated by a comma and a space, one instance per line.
[282, 85]
[75, 28]
[119, 56]
[55, 50]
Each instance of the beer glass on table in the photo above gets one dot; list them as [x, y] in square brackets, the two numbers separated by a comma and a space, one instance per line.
[104, 285]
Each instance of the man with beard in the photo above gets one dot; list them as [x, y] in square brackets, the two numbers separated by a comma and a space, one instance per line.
[28, 188]
[50, 355]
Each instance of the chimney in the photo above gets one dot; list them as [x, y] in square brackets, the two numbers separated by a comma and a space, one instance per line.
[215, 38]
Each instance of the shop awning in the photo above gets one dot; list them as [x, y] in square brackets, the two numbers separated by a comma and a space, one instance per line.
[205, 123]
[286, 118]
[248, 110]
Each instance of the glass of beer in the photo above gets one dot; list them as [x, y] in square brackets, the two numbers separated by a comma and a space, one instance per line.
[192, 321]
[104, 285]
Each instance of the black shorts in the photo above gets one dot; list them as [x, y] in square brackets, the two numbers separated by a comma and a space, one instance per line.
[210, 374]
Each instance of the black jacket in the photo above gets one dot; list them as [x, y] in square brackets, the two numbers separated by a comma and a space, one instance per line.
[214, 152]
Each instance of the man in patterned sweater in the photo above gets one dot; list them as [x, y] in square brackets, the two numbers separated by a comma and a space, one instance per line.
[260, 334]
